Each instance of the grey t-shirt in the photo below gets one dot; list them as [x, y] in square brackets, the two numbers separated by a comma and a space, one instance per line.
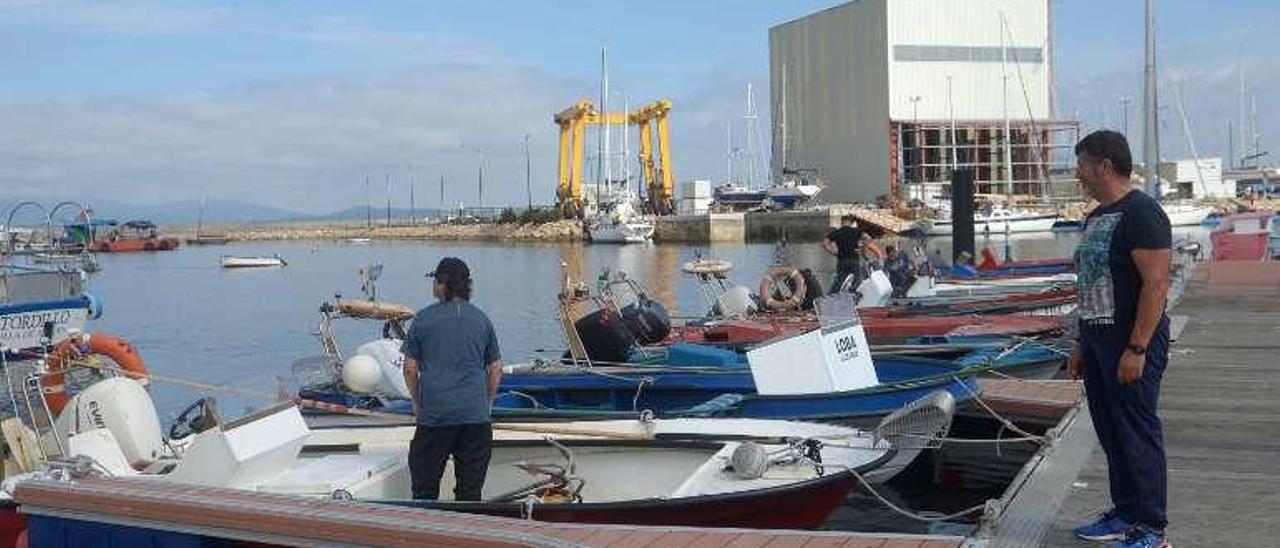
[454, 343]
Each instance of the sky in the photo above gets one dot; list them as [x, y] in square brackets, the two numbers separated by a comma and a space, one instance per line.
[297, 104]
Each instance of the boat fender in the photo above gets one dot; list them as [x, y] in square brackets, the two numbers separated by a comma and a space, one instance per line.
[773, 300]
[749, 461]
[53, 384]
[94, 305]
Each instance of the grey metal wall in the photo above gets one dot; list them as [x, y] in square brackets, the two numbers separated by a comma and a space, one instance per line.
[837, 106]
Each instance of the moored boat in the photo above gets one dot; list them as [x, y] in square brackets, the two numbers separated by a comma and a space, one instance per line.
[703, 472]
[1243, 237]
[131, 236]
[1186, 213]
[259, 261]
[40, 305]
[995, 220]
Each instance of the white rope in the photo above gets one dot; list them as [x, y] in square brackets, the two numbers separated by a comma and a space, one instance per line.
[1005, 422]
[900, 510]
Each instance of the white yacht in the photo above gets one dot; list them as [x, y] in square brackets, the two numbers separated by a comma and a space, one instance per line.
[995, 220]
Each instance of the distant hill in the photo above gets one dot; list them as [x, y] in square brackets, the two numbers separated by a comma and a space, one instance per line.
[187, 212]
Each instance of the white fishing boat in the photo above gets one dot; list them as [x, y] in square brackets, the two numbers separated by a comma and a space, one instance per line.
[995, 220]
[1186, 213]
[260, 261]
[705, 472]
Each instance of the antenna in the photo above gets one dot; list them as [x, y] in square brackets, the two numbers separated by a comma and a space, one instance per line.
[368, 206]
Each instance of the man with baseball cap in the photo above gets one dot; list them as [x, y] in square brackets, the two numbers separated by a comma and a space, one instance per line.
[452, 367]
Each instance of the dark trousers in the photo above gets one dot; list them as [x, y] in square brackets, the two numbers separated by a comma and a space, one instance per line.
[470, 445]
[844, 269]
[1128, 427]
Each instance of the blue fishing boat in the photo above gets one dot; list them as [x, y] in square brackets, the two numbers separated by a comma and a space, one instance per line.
[547, 390]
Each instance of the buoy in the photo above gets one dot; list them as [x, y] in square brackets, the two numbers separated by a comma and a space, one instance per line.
[361, 373]
[782, 274]
[119, 350]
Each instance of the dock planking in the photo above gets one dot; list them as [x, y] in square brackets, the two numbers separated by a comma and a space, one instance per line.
[1220, 403]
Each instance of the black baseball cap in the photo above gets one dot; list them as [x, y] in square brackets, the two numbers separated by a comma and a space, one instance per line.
[451, 268]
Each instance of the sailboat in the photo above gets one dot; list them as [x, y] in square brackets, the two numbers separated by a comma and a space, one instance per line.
[616, 218]
[203, 238]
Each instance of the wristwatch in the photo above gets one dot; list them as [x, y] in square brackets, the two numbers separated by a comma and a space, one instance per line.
[1137, 349]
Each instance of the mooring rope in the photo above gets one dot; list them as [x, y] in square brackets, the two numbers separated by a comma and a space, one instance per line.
[999, 418]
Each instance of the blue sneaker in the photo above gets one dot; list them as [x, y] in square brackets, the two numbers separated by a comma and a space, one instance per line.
[1109, 526]
[1142, 536]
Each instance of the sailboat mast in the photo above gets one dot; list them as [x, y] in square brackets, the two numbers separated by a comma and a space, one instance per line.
[603, 160]
[1004, 105]
[1150, 124]
[782, 124]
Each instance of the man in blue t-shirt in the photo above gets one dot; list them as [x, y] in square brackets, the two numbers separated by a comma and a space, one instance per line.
[452, 367]
[1122, 264]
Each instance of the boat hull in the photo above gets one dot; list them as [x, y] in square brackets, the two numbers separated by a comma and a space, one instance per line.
[1187, 215]
[22, 324]
[1034, 223]
[805, 505]
[631, 233]
[670, 392]
[135, 245]
[251, 262]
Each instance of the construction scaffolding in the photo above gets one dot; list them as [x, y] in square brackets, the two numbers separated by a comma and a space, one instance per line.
[1037, 162]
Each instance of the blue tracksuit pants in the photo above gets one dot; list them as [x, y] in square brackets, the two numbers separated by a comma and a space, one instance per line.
[1125, 419]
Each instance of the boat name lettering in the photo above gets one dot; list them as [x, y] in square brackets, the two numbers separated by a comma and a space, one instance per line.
[34, 320]
[846, 348]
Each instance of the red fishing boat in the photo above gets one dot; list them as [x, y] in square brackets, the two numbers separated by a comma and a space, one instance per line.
[880, 330]
[1243, 237]
[131, 236]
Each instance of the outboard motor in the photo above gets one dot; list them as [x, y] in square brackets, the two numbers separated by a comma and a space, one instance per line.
[735, 302]
[123, 407]
[605, 336]
[648, 321]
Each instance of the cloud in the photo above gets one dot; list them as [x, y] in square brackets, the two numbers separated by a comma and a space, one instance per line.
[1205, 72]
[309, 145]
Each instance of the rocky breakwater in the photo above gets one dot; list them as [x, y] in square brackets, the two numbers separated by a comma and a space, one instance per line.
[555, 231]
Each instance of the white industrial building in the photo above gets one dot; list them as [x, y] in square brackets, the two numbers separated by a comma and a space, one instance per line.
[889, 96]
[1197, 178]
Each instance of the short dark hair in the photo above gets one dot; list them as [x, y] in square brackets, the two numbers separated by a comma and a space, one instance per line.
[848, 218]
[455, 276]
[1108, 145]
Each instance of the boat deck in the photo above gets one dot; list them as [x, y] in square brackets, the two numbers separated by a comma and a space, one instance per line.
[1220, 403]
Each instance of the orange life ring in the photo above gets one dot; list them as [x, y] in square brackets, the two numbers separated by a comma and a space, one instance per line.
[782, 274]
[54, 385]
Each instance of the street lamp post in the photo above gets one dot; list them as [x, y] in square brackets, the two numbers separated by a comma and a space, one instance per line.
[1124, 103]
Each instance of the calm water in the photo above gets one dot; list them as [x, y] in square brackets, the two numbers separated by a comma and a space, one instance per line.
[244, 328]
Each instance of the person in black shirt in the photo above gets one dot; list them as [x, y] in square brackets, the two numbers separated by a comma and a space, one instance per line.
[847, 243]
[1123, 264]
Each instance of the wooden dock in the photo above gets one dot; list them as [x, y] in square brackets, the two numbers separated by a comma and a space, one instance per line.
[130, 509]
[1220, 403]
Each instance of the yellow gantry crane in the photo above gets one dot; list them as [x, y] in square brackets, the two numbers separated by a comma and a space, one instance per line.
[658, 176]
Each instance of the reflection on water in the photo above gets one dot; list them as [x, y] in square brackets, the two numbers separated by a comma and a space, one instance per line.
[244, 328]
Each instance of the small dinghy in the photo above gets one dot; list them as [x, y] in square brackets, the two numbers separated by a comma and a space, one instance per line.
[260, 261]
[704, 472]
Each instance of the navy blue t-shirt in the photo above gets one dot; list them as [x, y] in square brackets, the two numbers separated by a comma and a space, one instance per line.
[1108, 281]
[454, 343]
